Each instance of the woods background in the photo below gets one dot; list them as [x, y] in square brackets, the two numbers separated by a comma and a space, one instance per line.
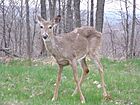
[20, 33]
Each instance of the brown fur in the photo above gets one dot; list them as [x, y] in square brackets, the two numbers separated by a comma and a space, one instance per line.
[68, 48]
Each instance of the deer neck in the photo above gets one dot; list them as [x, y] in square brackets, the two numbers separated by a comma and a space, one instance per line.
[50, 44]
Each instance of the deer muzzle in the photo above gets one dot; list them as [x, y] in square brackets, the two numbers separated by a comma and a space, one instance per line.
[45, 36]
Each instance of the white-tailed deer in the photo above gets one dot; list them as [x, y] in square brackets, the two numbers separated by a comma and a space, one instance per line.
[68, 48]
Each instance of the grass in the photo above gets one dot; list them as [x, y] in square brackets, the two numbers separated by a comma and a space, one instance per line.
[34, 85]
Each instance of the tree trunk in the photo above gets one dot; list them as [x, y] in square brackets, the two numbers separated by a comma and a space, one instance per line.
[87, 12]
[28, 31]
[127, 29]
[69, 17]
[43, 9]
[112, 39]
[100, 15]
[4, 24]
[16, 38]
[92, 13]
[21, 27]
[9, 36]
[52, 7]
[63, 16]
[132, 53]
[59, 12]
[77, 13]
[34, 26]
[59, 7]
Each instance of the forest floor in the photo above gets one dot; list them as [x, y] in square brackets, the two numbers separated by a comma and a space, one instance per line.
[21, 84]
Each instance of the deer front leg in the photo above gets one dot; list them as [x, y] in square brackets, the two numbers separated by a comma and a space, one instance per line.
[74, 67]
[55, 96]
[83, 76]
[101, 72]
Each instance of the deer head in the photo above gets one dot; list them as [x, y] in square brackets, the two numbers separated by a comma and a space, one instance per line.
[47, 27]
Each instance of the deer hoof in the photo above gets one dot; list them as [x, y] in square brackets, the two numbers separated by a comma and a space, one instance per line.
[53, 99]
[107, 96]
[83, 101]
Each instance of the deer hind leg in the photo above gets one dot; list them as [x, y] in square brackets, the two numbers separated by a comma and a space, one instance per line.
[55, 96]
[85, 72]
[74, 67]
[101, 72]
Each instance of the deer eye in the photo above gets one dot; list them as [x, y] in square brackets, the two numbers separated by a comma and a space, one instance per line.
[41, 26]
[50, 27]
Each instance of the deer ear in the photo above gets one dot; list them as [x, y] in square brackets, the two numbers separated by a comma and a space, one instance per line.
[57, 19]
[40, 20]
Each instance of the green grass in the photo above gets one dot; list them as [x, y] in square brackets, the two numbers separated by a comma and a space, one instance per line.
[24, 85]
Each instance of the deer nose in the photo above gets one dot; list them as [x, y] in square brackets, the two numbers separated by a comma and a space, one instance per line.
[45, 36]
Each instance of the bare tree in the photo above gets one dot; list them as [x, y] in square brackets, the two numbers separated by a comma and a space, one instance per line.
[132, 53]
[100, 15]
[69, 17]
[123, 41]
[59, 7]
[77, 13]
[52, 8]
[43, 9]
[4, 23]
[87, 12]
[92, 13]
[21, 27]
[63, 15]
[59, 12]
[34, 25]
[112, 38]
[127, 29]
[125, 25]
[10, 22]
[28, 31]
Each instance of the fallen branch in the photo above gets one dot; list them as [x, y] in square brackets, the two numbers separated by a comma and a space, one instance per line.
[6, 50]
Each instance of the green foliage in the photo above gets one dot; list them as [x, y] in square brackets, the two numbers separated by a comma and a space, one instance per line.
[21, 84]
